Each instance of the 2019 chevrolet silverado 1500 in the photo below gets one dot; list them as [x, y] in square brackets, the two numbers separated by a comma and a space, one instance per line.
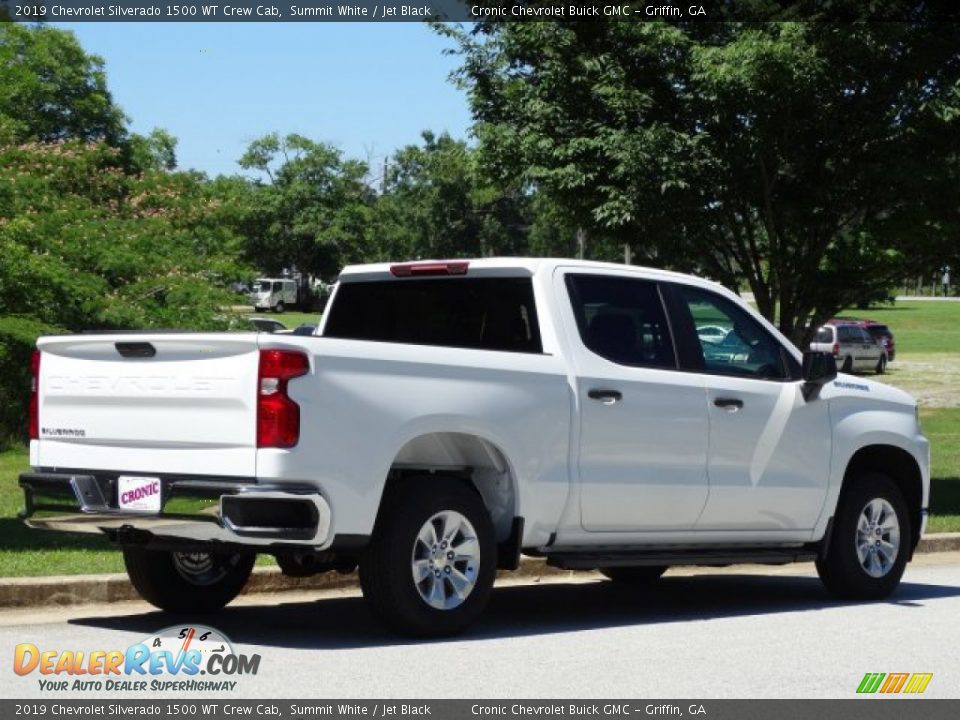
[449, 416]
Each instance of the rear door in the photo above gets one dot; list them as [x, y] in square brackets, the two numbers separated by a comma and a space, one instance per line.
[769, 448]
[183, 404]
[643, 424]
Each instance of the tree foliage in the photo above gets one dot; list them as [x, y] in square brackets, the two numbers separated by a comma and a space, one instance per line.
[816, 162]
[52, 90]
[312, 205]
[96, 231]
[437, 204]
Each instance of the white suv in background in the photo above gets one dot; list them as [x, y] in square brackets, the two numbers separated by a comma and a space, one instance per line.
[852, 346]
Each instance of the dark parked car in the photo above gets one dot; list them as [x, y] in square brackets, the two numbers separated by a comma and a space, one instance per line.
[883, 335]
[878, 331]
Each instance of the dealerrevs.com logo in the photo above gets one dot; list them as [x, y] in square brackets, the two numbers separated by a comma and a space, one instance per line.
[180, 658]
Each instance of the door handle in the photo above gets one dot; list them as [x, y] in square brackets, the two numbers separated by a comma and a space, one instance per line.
[607, 397]
[731, 405]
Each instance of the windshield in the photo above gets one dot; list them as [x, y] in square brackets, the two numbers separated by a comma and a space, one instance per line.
[263, 286]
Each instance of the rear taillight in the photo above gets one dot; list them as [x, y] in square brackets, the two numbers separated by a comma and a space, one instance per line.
[35, 396]
[278, 417]
[836, 350]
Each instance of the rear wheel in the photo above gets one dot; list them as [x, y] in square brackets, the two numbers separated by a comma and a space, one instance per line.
[637, 576]
[187, 582]
[430, 566]
[871, 535]
[847, 364]
[882, 364]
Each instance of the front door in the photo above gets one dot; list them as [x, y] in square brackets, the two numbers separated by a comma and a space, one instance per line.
[769, 454]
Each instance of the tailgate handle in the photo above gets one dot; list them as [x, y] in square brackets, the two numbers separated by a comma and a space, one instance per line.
[136, 349]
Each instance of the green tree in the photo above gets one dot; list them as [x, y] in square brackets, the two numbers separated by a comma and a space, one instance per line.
[311, 205]
[816, 162]
[51, 90]
[155, 151]
[437, 204]
[85, 245]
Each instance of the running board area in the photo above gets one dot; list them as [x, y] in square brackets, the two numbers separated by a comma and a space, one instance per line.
[585, 559]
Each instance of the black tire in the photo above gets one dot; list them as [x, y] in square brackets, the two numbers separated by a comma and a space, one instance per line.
[841, 571]
[847, 364]
[386, 567]
[635, 576]
[175, 583]
[279, 307]
[881, 365]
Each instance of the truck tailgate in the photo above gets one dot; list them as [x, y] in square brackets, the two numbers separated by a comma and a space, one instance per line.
[178, 403]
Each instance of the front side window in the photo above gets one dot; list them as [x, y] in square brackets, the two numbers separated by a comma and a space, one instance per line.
[622, 320]
[746, 350]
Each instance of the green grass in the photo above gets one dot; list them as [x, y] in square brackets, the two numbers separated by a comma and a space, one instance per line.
[922, 328]
[293, 319]
[919, 327]
[34, 552]
[942, 428]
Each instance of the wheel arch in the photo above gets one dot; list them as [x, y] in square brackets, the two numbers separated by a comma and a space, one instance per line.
[464, 457]
[901, 467]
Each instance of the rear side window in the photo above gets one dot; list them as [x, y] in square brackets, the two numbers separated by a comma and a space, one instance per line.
[848, 334]
[478, 313]
[878, 331]
[622, 320]
[824, 335]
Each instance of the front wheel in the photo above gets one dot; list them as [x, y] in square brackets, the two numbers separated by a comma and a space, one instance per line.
[847, 366]
[871, 535]
[279, 307]
[187, 582]
[430, 566]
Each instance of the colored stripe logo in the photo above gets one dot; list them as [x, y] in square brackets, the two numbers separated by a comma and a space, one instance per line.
[893, 683]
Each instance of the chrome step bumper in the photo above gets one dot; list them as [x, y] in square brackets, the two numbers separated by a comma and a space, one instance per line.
[193, 510]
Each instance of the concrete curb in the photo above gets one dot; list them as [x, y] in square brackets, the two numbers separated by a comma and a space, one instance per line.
[89, 589]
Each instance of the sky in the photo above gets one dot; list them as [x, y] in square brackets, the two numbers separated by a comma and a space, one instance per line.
[366, 88]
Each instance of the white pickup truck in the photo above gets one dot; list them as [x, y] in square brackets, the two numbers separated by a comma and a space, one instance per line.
[449, 416]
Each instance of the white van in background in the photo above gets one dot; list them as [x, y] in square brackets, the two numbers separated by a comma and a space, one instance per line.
[273, 294]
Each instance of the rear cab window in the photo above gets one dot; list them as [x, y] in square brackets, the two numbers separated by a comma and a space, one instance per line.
[824, 335]
[482, 313]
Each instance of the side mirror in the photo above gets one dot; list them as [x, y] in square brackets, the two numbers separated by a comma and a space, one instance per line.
[819, 368]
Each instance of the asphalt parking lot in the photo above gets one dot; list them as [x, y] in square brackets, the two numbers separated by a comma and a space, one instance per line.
[741, 631]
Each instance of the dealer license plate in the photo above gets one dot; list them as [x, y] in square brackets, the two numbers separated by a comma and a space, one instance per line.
[139, 494]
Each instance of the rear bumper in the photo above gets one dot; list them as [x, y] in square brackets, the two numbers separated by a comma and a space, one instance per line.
[194, 511]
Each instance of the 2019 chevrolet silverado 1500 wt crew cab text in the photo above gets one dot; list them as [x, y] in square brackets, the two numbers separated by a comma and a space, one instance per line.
[448, 416]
